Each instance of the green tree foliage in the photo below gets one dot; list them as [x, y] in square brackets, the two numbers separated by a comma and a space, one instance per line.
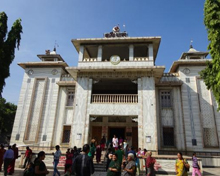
[7, 116]
[9, 41]
[211, 74]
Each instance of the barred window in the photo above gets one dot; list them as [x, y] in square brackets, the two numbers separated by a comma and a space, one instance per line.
[168, 136]
[66, 134]
[187, 80]
[70, 98]
[165, 99]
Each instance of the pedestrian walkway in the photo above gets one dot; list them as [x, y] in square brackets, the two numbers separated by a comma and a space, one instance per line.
[207, 172]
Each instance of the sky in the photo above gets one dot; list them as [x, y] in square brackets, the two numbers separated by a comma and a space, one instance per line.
[46, 21]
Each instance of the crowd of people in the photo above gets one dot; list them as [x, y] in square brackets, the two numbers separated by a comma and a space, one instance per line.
[122, 159]
[8, 158]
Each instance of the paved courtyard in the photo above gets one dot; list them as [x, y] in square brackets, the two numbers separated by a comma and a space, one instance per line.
[207, 172]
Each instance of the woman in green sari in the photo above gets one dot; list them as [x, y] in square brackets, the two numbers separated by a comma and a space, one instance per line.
[114, 168]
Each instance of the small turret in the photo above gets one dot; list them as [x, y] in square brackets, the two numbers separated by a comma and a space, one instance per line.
[193, 54]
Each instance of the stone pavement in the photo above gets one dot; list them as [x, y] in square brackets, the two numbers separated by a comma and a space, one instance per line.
[207, 172]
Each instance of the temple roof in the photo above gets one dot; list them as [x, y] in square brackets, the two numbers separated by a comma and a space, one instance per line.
[119, 40]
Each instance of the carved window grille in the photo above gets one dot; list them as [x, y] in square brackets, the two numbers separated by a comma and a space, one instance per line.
[66, 134]
[70, 98]
[168, 136]
[165, 99]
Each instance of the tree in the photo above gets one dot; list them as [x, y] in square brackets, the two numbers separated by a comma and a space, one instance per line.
[211, 74]
[7, 116]
[8, 46]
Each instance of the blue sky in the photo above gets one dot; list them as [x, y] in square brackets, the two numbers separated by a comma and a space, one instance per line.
[44, 21]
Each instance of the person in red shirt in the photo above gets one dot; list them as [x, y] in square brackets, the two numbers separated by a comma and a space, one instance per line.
[2, 152]
[11, 166]
[69, 159]
[150, 161]
[27, 156]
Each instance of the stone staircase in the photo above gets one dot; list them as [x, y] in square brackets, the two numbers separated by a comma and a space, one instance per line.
[100, 167]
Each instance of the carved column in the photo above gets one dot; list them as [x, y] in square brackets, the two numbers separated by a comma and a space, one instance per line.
[131, 52]
[80, 119]
[147, 114]
[99, 58]
[81, 53]
[151, 52]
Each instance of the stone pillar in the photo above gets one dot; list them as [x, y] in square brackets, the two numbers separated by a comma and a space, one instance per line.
[147, 122]
[151, 52]
[131, 52]
[99, 58]
[80, 124]
[81, 53]
[178, 120]
[87, 116]
[140, 114]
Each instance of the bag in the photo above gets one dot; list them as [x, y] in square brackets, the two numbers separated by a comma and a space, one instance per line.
[186, 168]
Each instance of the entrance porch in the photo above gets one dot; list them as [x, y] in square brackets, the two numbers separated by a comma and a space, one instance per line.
[108, 126]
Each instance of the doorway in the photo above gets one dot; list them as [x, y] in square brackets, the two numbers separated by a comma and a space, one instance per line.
[118, 131]
[96, 133]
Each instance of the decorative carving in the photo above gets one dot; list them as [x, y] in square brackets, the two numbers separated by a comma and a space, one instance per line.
[47, 52]
[54, 71]
[134, 119]
[30, 72]
[207, 115]
[186, 71]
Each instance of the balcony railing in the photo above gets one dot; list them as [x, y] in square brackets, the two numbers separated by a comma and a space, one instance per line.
[66, 77]
[114, 98]
[89, 59]
[141, 59]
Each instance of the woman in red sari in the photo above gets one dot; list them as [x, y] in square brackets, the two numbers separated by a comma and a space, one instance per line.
[11, 167]
[69, 159]
[2, 152]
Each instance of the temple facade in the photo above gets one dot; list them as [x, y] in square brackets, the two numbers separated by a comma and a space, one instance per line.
[116, 89]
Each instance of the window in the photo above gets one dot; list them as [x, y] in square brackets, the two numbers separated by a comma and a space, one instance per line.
[168, 136]
[188, 80]
[66, 134]
[165, 98]
[70, 98]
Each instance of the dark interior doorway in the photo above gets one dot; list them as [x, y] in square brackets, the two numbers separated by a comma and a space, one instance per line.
[119, 132]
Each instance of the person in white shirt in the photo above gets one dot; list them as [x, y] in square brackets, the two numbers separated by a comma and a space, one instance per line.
[8, 157]
[56, 155]
[115, 142]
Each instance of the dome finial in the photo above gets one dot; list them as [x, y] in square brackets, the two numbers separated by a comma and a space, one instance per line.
[191, 44]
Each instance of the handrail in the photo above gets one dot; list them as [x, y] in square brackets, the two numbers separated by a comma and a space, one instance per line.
[115, 98]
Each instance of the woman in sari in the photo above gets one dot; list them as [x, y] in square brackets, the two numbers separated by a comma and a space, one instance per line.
[114, 168]
[40, 168]
[181, 165]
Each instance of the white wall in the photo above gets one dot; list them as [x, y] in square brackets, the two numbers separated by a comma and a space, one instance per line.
[192, 122]
[48, 108]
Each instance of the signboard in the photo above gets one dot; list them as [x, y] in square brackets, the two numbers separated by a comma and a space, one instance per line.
[62, 161]
[148, 139]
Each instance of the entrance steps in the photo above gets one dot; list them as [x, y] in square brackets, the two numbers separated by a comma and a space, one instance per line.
[167, 163]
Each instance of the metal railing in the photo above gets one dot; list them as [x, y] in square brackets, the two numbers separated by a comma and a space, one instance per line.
[114, 98]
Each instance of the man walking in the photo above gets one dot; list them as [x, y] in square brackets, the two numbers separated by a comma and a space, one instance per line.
[8, 157]
[56, 155]
[11, 167]
[83, 165]
[27, 156]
